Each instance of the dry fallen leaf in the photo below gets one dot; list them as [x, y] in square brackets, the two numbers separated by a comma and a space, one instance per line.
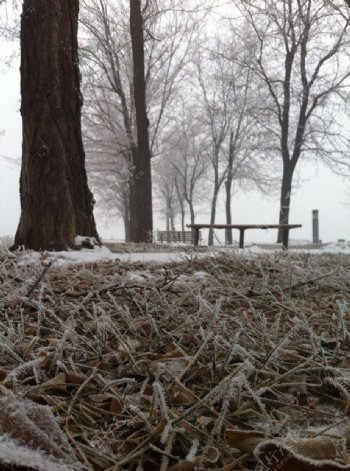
[273, 455]
[75, 378]
[181, 395]
[320, 448]
[58, 383]
[107, 402]
[244, 440]
[32, 425]
[183, 466]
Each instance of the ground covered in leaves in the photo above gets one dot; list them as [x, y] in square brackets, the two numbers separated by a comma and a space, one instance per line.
[222, 363]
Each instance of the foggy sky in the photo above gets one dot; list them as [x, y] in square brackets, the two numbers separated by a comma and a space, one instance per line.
[319, 188]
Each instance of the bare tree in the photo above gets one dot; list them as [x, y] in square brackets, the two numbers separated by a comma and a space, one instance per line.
[109, 170]
[229, 109]
[243, 154]
[165, 190]
[182, 164]
[215, 96]
[56, 203]
[298, 59]
[188, 155]
[108, 74]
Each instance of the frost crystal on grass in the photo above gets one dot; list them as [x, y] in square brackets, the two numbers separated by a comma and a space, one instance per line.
[154, 370]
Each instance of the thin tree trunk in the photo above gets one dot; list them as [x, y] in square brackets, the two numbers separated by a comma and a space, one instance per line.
[126, 218]
[192, 213]
[56, 202]
[286, 189]
[142, 164]
[213, 216]
[183, 215]
[181, 200]
[228, 188]
[228, 231]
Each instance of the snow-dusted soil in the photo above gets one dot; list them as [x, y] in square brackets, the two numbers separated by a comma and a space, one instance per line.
[134, 361]
[153, 253]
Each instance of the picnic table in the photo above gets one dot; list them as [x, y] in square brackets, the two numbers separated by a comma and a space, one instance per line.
[242, 228]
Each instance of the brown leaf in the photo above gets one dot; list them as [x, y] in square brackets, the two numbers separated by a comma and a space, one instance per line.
[183, 466]
[274, 455]
[43, 418]
[33, 426]
[116, 406]
[74, 378]
[58, 383]
[320, 448]
[181, 395]
[244, 440]
[107, 402]
[182, 398]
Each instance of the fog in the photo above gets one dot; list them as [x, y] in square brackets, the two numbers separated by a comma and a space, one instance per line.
[318, 187]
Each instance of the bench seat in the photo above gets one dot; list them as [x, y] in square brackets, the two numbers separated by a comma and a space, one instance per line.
[176, 236]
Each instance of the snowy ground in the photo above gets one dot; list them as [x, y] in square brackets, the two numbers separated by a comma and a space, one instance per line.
[132, 255]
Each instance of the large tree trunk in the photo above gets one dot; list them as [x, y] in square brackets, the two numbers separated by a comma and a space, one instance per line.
[286, 190]
[142, 164]
[55, 200]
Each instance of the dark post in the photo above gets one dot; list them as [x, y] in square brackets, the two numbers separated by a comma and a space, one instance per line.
[241, 238]
[285, 238]
[196, 236]
[315, 227]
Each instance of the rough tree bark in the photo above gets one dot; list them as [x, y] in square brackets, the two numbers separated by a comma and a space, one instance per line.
[142, 163]
[55, 199]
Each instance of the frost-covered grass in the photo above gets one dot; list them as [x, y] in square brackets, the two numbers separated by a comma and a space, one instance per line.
[148, 366]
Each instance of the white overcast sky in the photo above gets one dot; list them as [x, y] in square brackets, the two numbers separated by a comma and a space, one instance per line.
[318, 189]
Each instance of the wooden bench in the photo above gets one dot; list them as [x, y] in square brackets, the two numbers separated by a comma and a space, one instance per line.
[242, 227]
[177, 236]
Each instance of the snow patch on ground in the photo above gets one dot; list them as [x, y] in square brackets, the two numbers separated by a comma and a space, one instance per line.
[103, 254]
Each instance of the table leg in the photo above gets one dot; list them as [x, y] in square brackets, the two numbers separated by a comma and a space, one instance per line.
[196, 236]
[285, 238]
[241, 238]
